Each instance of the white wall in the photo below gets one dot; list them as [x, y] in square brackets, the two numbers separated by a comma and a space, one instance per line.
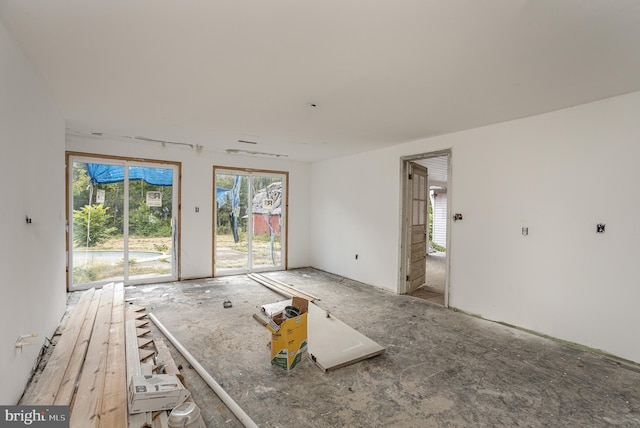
[197, 190]
[547, 172]
[440, 218]
[32, 257]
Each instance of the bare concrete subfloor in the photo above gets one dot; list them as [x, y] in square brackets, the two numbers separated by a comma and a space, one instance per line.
[441, 368]
[434, 288]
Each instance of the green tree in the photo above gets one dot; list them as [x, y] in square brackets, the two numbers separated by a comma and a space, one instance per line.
[90, 225]
[145, 221]
[80, 185]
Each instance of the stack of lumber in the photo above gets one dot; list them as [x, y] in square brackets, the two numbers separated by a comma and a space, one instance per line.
[281, 288]
[104, 343]
[85, 369]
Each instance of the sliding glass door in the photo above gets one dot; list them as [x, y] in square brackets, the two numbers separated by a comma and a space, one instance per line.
[250, 221]
[122, 222]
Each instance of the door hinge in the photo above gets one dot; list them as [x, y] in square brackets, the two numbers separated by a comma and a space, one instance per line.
[407, 277]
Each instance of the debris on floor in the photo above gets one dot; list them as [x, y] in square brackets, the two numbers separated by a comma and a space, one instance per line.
[331, 343]
[289, 335]
[210, 381]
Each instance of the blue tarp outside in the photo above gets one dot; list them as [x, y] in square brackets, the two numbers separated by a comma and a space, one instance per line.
[107, 174]
[233, 195]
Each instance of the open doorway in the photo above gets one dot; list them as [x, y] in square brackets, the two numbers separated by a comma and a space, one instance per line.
[424, 272]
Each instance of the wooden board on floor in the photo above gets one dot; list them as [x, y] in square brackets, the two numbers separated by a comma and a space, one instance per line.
[114, 397]
[285, 286]
[161, 420]
[144, 341]
[135, 308]
[333, 344]
[134, 369]
[86, 409]
[146, 353]
[142, 331]
[166, 360]
[71, 374]
[280, 287]
[45, 391]
[132, 351]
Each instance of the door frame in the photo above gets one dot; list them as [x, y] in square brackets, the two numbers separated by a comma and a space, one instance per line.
[136, 161]
[405, 206]
[214, 213]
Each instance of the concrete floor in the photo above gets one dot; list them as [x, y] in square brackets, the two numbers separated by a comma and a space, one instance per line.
[434, 288]
[441, 367]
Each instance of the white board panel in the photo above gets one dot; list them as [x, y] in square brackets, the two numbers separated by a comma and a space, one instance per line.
[331, 343]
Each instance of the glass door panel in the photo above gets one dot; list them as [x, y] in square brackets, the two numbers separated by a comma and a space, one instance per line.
[97, 242]
[150, 235]
[231, 240]
[266, 248]
[122, 222]
[249, 221]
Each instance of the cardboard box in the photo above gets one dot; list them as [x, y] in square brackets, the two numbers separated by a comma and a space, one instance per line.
[289, 336]
[155, 392]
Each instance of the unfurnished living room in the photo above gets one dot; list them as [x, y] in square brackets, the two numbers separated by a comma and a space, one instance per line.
[338, 213]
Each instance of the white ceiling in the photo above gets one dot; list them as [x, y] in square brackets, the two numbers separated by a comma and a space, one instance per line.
[437, 168]
[381, 72]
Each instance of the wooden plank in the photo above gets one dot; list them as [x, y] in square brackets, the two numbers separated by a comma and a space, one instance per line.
[135, 308]
[142, 331]
[71, 374]
[270, 286]
[161, 420]
[134, 369]
[146, 369]
[86, 410]
[166, 360]
[140, 420]
[133, 315]
[310, 297]
[333, 344]
[114, 397]
[132, 351]
[280, 288]
[142, 322]
[45, 391]
[144, 341]
[146, 353]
